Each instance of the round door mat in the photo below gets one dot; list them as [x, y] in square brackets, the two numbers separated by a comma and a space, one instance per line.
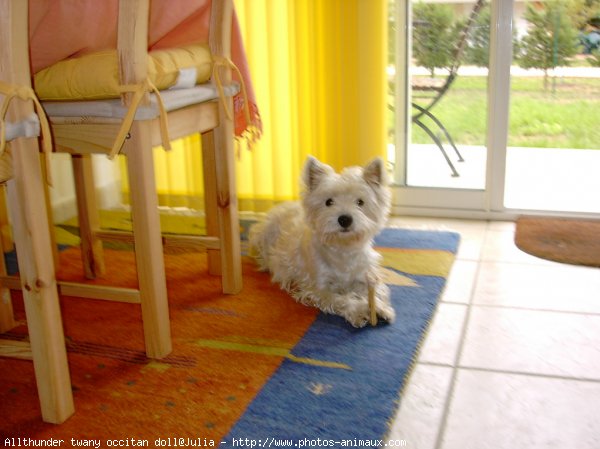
[564, 240]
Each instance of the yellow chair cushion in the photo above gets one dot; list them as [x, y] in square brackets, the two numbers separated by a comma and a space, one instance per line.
[95, 76]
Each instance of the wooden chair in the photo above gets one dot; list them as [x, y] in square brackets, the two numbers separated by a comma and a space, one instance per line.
[85, 133]
[26, 201]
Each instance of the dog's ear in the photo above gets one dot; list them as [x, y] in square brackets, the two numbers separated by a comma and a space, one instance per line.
[313, 172]
[374, 173]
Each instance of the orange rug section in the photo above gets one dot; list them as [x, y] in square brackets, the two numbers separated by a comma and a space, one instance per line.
[199, 391]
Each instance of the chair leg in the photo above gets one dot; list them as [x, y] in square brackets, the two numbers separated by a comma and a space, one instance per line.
[36, 268]
[148, 241]
[210, 199]
[7, 320]
[50, 220]
[5, 232]
[89, 219]
[227, 205]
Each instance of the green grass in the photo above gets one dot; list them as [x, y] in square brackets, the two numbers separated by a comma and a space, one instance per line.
[569, 117]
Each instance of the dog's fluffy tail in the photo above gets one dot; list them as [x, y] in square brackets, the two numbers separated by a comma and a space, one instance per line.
[258, 246]
[263, 236]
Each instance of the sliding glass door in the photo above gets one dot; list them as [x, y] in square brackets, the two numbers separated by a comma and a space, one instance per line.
[462, 132]
[553, 155]
[440, 148]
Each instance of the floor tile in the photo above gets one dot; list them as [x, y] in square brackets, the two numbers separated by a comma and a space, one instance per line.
[550, 287]
[499, 246]
[501, 226]
[438, 224]
[421, 410]
[443, 339]
[551, 343]
[507, 411]
[471, 245]
[528, 372]
[461, 281]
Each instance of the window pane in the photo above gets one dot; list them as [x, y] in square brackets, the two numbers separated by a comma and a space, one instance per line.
[448, 94]
[553, 155]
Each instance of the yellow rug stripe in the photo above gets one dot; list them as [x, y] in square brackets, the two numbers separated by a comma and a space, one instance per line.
[316, 362]
[231, 346]
[268, 350]
[422, 261]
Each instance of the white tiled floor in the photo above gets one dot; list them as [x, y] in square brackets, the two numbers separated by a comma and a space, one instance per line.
[512, 358]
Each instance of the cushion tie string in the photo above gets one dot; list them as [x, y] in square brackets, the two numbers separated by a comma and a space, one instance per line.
[25, 93]
[139, 90]
[221, 61]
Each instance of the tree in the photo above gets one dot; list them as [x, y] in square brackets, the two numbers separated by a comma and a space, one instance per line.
[551, 38]
[582, 11]
[434, 35]
[594, 58]
[478, 50]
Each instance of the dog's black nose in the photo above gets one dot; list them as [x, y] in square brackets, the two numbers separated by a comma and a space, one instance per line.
[345, 221]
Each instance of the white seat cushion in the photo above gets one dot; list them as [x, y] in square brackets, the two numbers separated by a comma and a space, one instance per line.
[173, 99]
[29, 127]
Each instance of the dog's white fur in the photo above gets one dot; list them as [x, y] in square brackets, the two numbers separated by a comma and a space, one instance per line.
[320, 250]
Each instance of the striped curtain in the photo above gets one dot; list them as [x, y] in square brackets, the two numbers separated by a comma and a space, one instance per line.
[318, 70]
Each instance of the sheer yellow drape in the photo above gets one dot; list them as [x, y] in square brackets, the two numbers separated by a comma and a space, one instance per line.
[318, 70]
[179, 179]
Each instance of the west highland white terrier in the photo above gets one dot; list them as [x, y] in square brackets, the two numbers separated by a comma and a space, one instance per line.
[320, 249]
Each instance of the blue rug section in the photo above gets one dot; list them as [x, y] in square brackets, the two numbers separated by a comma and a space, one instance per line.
[12, 266]
[10, 259]
[302, 402]
[416, 239]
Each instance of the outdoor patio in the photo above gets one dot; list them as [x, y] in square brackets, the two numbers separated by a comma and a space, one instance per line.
[536, 178]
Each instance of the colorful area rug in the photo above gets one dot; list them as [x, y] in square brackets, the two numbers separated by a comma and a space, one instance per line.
[248, 369]
[563, 240]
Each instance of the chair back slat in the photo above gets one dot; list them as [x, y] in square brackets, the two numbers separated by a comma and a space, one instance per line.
[14, 68]
[132, 42]
[219, 33]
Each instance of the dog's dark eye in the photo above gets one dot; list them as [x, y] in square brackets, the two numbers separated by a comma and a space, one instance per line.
[329, 202]
[360, 202]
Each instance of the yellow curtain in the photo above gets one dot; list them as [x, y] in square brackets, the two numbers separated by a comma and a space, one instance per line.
[179, 179]
[318, 70]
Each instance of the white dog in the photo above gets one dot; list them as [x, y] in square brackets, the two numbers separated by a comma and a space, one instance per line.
[320, 250]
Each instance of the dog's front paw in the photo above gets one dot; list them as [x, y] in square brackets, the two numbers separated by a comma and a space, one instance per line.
[358, 315]
[383, 305]
[358, 322]
[362, 317]
[386, 312]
